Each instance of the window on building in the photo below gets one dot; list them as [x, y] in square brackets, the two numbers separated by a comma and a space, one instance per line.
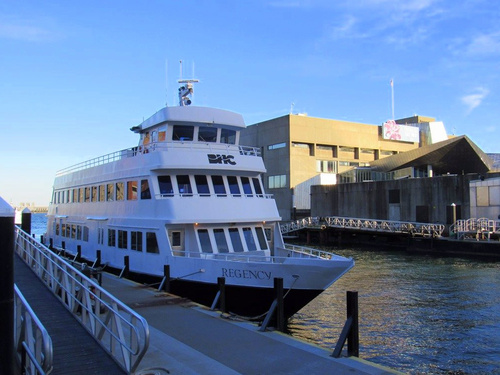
[182, 133]
[327, 166]
[165, 184]
[276, 146]
[276, 182]
[394, 196]
[228, 136]
[207, 134]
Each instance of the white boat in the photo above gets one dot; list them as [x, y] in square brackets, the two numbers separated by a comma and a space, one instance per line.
[191, 197]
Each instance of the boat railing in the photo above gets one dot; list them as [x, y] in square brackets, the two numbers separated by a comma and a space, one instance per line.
[281, 255]
[160, 146]
[32, 341]
[209, 195]
[473, 228]
[122, 332]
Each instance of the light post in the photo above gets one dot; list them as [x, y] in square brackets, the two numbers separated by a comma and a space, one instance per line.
[454, 217]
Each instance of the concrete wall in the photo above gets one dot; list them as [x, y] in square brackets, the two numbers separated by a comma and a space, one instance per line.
[485, 199]
[414, 199]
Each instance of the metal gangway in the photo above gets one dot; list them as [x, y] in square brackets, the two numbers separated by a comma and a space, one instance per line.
[369, 225]
[119, 330]
[476, 229]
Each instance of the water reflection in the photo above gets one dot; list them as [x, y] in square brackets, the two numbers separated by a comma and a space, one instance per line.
[418, 314]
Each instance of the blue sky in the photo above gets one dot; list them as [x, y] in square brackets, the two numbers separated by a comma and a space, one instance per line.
[76, 75]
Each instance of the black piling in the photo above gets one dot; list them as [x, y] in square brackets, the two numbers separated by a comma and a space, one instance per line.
[280, 308]
[350, 332]
[221, 282]
[7, 218]
[165, 283]
[126, 267]
[26, 220]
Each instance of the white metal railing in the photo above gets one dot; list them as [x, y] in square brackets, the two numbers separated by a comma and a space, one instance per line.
[122, 332]
[159, 146]
[299, 224]
[478, 229]
[215, 195]
[33, 343]
[389, 226]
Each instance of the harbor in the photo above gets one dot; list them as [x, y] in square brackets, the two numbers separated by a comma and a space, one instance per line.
[419, 314]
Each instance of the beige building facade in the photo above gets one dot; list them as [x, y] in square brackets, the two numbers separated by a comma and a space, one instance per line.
[300, 151]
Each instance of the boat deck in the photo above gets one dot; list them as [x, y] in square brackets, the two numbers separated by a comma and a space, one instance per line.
[187, 338]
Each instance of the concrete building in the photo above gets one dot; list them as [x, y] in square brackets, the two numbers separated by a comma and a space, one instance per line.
[301, 151]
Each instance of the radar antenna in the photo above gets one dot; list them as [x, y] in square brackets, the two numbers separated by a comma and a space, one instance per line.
[186, 90]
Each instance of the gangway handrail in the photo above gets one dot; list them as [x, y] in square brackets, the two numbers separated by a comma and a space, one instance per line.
[120, 331]
[32, 341]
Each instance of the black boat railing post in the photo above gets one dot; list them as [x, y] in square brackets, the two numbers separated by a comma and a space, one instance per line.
[350, 331]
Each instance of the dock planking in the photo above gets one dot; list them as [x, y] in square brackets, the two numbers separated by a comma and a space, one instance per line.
[74, 350]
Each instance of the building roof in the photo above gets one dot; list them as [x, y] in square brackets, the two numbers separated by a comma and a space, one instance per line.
[455, 155]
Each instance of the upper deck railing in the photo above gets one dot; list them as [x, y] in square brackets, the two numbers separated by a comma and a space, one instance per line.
[478, 229]
[122, 332]
[159, 146]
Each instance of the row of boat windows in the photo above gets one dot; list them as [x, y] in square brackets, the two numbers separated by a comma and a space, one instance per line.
[189, 133]
[132, 240]
[184, 185]
[232, 239]
[73, 231]
[118, 191]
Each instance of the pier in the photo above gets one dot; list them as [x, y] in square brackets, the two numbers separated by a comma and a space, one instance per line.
[170, 335]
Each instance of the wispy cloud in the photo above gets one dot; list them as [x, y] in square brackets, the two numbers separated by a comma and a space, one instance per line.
[475, 99]
[484, 44]
[25, 30]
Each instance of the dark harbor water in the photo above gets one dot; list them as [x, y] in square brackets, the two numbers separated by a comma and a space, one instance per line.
[418, 314]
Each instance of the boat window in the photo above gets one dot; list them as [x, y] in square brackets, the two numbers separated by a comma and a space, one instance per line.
[234, 233]
[136, 241]
[247, 189]
[247, 233]
[111, 237]
[73, 231]
[207, 134]
[220, 240]
[219, 187]
[75, 196]
[184, 185]
[122, 239]
[182, 133]
[120, 193]
[162, 133]
[175, 239]
[94, 193]
[100, 236]
[79, 232]
[257, 187]
[202, 185]
[152, 243]
[87, 194]
[82, 195]
[132, 190]
[102, 194]
[228, 136]
[234, 188]
[206, 245]
[262, 238]
[145, 192]
[110, 193]
[86, 234]
[166, 188]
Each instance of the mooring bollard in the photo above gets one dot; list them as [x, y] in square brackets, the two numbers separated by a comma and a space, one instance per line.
[7, 218]
[26, 220]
